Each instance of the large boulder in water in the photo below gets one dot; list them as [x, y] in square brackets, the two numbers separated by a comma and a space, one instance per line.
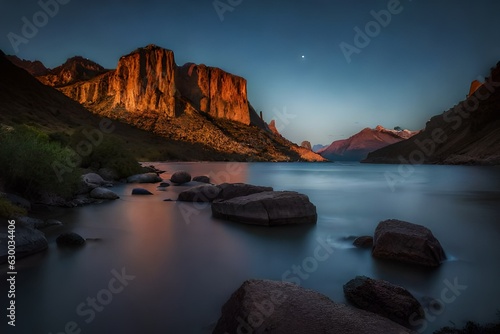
[141, 191]
[261, 306]
[28, 241]
[386, 299]
[233, 190]
[267, 208]
[180, 177]
[406, 242]
[202, 179]
[70, 239]
[201, 193]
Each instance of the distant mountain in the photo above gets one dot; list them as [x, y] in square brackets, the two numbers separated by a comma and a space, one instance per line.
[468, 133]
[357, 147]
[35, 68]
[191, 104]
[318, 147]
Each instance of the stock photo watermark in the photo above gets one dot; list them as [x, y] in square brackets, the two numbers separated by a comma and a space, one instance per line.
[372, 29]
[93, 305]
[428, 147]
[31, 26]
[223, 6]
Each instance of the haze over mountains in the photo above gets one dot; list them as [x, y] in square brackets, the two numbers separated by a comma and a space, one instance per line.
[193, 104]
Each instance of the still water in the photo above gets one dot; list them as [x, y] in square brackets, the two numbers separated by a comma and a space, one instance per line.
[177, 265]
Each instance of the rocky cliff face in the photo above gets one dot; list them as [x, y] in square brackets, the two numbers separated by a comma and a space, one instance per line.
[468, 133]
[194, 106]
[357, 147]
[73, 70]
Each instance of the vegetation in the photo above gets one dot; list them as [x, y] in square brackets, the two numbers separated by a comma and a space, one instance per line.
[472, 328]
[9, 210]
[26, 159]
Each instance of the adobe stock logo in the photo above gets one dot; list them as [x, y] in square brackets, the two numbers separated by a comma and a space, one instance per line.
[30, 28]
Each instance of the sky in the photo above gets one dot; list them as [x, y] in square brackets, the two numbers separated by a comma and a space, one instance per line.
[322, 69]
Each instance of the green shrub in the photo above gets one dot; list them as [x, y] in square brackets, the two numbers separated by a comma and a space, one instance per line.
[26, 160]
[9, 210]
[109, 153]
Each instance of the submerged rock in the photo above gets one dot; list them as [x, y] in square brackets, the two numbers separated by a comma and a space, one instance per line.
[363, 242]
[202, 179]
[141, 191]
[70, 239]
[103, 193]
[386, 299]
[261, 306]
[267, 208]
[406, 242]
[144, 178]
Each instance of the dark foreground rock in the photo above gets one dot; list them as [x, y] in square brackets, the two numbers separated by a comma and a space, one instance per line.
[405, 242]
[363, 242]
[28, 241]
[70, 239]
[267, 208]
[144, 178]
[261, 306]
[141, 191]
[233, 190]
[386, 299]
[180, 177]
[202, 193]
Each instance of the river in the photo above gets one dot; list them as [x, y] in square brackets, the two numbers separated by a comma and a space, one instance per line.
[168, 267]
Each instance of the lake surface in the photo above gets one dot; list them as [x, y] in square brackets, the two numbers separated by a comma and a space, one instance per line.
[178, 265]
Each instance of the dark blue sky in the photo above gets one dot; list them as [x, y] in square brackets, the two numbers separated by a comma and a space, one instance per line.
[416, 66]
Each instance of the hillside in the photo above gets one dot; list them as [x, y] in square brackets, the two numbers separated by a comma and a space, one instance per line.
[468, 133]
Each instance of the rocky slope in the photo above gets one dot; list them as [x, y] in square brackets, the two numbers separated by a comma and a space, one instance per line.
[468, 133]
[205, 109]
[35, 68]
[357, 147]
[73, 70]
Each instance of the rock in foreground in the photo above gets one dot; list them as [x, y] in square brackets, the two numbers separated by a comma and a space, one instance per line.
[70, 239]
[28, 241]
[386, 299]
[267, 208]
[103, 193]
[202, 193]
[233, 190]
[261, 306]
[405, 242]
[144, 178]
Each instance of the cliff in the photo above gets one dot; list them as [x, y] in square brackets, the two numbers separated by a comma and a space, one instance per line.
[73, 70]
[202, 113]
[468, 133]
[357, 147]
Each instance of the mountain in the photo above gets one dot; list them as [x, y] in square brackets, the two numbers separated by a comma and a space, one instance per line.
[73, 70]
[356, 147]
[468, 133]
[200, 107]
[35, 68]
[318, 147]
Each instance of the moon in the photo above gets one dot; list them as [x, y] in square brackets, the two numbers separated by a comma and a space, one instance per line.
[303, 57]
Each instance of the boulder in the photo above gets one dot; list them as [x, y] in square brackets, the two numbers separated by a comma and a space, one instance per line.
[202, 193]
[141, 191]
[70, 239]
[406, 242]
[386, 299]
[103, 193]
[30, 222]
[232, 190]
[267, 208]
[202, 179]
[261, 306]
[180, 177]
[363, 242]
[164, 184]
[93, 178]
[144, 178]
[28, 241]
